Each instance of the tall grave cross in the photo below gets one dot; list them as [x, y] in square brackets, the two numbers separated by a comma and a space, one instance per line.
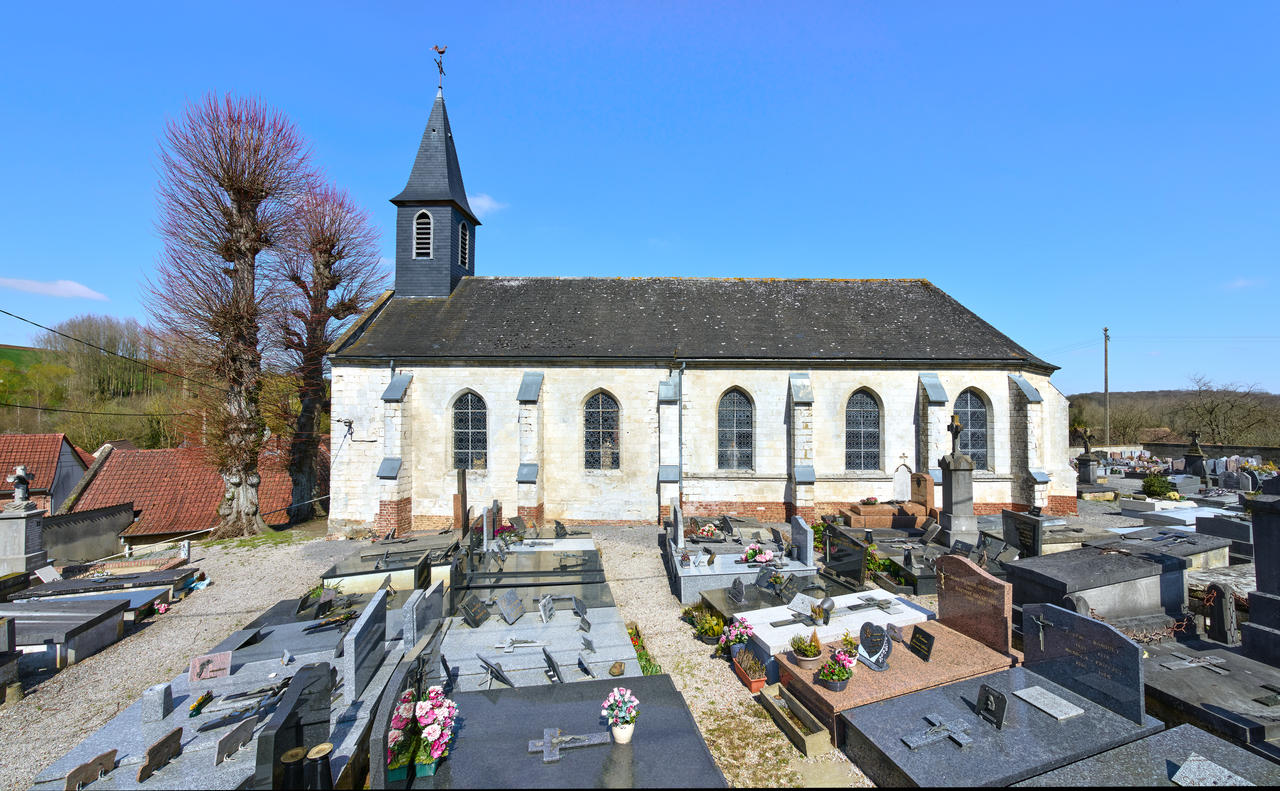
[954, 429]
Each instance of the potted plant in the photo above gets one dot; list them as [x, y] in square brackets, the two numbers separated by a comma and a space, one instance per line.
[684, 559]
[709, 627]
[757, 554]
[419, 735]
[868, 501]
[621, 709]
[849, 642]
[735, 636]
[750, 670]
[835, 674]
[807, 652]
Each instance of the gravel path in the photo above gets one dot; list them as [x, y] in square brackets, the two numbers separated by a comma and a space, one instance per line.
[62, 709]
[746, 744]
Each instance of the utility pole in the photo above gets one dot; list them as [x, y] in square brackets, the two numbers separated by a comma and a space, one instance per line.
[1106, 387]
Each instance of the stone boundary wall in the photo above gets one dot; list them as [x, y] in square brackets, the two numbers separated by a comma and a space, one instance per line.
[1176, 450]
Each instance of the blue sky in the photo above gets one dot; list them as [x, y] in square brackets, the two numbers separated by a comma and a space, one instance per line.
[1056, 167]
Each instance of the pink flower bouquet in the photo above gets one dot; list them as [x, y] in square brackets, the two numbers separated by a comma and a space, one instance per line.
[621, 707]
[757, 554]
[420, 728]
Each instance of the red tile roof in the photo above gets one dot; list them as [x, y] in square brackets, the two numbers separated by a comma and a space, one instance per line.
[39, 452]
[85, 456]
[177, 490]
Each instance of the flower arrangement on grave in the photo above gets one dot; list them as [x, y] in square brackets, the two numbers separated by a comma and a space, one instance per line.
[868, 501]
[757, 554]
[849, 642]
[501, 530]
[621, 709]
[809, 647]
[706, 530]
[839, 667]
[421, 729]
[1173, 496]
[736, 633]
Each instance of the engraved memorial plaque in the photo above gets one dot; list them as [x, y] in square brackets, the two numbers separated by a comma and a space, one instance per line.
[579, 607]
[161, 753]
[496, 673]
[474, 612]
[992, 706]
[585, 665]
[874, 646]
[583, 624]
[234, 739]
[553, 667]
[921, 643]
[1053, 705]
[510, 606]
[737, 591]
[790, 587]
[87, 772]
[546, 609]
[209, 666]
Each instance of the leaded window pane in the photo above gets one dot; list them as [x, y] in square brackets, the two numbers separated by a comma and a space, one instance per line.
[735, 432]
[470, 438]
[862, 432]
[972, 413]
[602, 440]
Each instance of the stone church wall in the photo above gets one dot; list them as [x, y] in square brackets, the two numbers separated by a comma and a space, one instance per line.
[1021, 435]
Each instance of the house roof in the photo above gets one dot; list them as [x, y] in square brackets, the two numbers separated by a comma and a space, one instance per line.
[39, 452]
[436, 175]
[688, 318]
[175, 490]
[85, 455]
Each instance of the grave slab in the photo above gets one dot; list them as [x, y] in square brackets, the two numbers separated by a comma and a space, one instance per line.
[769, 641]
[719, 601]
[141, 602]
[1218, 689]
[1155, 760]
[366, 570]
[1238, 530]
[72, 629]
[1199, 550]
[1186, 517]
[491, 748]
[690, 581]
[176, 579]
[1114, 584]
[553, 545]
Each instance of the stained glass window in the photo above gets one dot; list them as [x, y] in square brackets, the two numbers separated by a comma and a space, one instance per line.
[470, 434]
[734, 429]
[862, 432]
[603, 439]
[972, 411]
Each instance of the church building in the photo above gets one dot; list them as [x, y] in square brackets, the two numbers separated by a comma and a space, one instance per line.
[600, 400]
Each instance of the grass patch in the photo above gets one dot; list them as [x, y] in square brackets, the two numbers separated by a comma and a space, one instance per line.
[270, 538]
[748, 747]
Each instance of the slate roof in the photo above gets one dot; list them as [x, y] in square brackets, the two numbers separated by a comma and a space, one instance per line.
[38, 451]
[176, 490]
[692, 318]
[436, 175]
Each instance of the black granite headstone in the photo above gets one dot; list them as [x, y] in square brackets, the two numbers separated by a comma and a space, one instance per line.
[1086, 656]
[300, 720]
[1223, 625]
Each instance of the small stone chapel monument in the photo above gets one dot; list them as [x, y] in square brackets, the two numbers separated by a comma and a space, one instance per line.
[959, 523]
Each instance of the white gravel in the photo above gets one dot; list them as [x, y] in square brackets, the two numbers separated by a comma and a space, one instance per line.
[61, 710]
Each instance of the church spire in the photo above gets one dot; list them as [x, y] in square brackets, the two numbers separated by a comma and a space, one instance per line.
[436, 175]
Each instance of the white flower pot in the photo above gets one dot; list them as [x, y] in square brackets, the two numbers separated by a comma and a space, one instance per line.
[622, 733]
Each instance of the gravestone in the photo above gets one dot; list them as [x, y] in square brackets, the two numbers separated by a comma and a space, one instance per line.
[1023, 531]
[1249, 481]
[420, 611]
[364, 647]
[902, 483]
[677, 524]
[1087, 469]
[959, 523]
[1222, 624]
[922, 490]
[802, 540]
[1261, 634]
[488, 528]
[974, 603]
[1088, 657]
[1233, 463]
[301, 719]
[1230, 480]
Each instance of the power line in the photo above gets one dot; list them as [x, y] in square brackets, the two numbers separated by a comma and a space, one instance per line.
[84, 412]
[108, 351]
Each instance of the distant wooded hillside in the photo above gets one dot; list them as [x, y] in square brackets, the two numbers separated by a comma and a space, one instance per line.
[1223, 414]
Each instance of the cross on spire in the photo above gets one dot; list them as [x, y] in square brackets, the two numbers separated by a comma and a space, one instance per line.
[439, 50]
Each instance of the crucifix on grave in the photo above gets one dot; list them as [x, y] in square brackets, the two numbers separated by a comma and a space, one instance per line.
[553, 741]
[939, 731]
[954, 430]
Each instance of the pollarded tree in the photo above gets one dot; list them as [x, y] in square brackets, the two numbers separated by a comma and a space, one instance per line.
[328, 274]
[231, 173]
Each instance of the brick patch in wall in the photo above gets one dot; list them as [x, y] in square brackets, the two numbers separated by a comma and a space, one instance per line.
[806, 512]
[608, 522]
[763, 512]
[394, 517]
[1061, 505]
[531, 514]
[433, 522]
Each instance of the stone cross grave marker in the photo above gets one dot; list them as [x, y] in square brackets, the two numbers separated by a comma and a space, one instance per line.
[553, 741]
[939, 731]
[1223, 625]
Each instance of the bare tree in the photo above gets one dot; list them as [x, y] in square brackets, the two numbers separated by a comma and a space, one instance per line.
[231, 170]
[329, 274]
[1223, 414]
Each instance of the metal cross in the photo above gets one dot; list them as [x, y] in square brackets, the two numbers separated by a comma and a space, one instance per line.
[939, 731]
[1043, 624]
[552, 742]
[955, 428]
[440, 63]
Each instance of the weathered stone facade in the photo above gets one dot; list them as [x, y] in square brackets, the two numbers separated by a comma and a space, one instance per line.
[549, 432]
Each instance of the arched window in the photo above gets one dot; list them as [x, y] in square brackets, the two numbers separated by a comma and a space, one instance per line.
[972, 412]
[862, 432]
[470, 435]
[422, 235]
[603, 439]
[734, 422]
[464, 239]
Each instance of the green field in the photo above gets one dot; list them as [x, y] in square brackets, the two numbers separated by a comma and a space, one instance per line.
[21, 356]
